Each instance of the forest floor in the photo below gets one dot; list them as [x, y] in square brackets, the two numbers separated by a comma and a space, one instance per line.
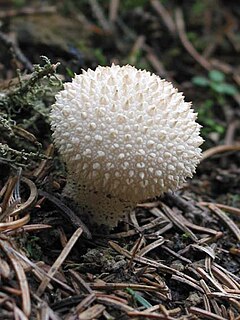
[178, 257]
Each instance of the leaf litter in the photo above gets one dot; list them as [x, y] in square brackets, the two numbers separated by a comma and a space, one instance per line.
[177, 257]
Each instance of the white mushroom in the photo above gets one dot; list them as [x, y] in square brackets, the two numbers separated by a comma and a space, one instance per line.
[126, 135]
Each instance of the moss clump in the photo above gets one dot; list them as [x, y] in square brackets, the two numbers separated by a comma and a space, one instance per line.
[24, 113]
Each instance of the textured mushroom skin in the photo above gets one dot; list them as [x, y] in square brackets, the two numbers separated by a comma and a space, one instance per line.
[126, 135]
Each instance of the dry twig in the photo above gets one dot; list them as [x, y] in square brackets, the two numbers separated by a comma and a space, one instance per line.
[219, 149]
[23, 284]
[228, 221]
[187, 44]
[67, 212]
[163, 13]
[113, 10]
[15, 51]
[205, 314]
[99, 14]
[59, 261]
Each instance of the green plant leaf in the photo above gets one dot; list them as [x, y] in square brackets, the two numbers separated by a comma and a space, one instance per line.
[200, 81]
[214, 126]
[70, 72]
[216, 76]
[99, 55]
[139, 298]
[224, 88]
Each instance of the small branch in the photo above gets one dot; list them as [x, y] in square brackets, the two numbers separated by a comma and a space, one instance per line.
[225, 218]
[27, 11]
[6, 150]
[39, 73]
[231, 129]
[67, 213]
[219, 149]
[21, 276]
[35, 266]
[59, 261]
[113, 10]
[99, 14]
[224, 207]
[187, 44]
[16, 52]
[205, 314]
[163, 13]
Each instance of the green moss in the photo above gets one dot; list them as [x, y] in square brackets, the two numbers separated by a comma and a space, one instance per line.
[23, 106]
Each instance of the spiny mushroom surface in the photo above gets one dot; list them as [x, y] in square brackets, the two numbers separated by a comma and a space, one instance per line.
[126, 135]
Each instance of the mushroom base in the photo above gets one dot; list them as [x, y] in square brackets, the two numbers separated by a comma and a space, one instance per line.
[100, 208]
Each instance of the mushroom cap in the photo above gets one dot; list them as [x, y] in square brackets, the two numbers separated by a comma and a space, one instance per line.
[126, 133]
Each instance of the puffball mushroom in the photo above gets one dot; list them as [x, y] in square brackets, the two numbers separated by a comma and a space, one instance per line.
[126, 135]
